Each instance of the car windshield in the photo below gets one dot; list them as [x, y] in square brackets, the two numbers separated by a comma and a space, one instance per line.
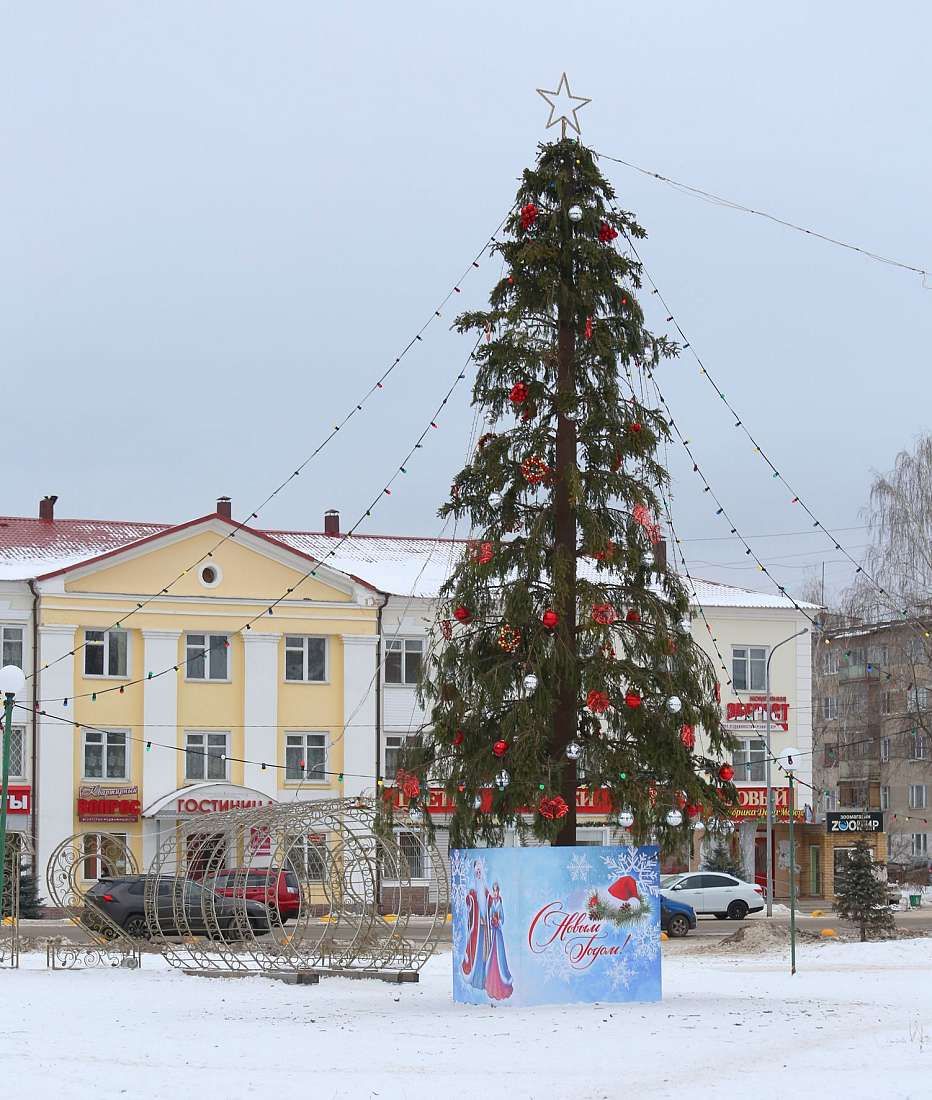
[668, 880]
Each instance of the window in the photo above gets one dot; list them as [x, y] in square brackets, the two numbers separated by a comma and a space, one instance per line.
[306, 757]
[308, 856]
[831, 800]
[105, 653]
[829, 707]
[830, 662]
[206, 657]
[918, 746]
[104, 855]
[105, 754]
[886, 702]
[884, 749]
[394, 743]
[920, 699]
[920, 844]
[917, 796]
[403, 658]
[877, 655]
[12, 638]
[205, 756]
[413, 855]
[717, 882]
[18, 752]
[855, 657]
[305, 659]
[885, 798]
[749, 760]
[749, 668]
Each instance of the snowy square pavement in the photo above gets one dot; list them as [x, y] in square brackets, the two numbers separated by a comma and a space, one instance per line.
[856, 1021]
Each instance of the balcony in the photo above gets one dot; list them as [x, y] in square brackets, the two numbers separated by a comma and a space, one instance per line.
[854, 769]
[852, 673]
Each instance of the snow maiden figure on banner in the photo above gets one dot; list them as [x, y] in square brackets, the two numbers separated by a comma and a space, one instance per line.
[485, 964]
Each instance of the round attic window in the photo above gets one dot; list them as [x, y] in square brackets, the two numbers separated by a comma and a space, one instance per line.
[209, 575]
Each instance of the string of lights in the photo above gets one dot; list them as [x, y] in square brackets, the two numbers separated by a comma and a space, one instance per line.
[739, 424]
[731, 204]
[386, 490]
[359, 406]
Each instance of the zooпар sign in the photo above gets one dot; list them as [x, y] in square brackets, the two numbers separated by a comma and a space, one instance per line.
[859, 821]
[555, 925]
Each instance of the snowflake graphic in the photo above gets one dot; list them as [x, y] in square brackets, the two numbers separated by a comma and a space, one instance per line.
[556, 965]
[579, 868]
[620, 973]
[645, 941]
[459, 880]
[641, 865]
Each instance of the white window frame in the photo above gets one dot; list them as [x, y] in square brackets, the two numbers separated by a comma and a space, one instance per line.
[588, 836]
[920, 699]
[885, 798]
[303, 845]
[830, 662]
[11, 629]
[19, 734]
[829, 707]
[746, 649]
[315, 778]
[831, 799]
[202, 751]
[104, 744]
[920, 746]
[401, 644]
[919, 845]
[94, 856]
[208, 651]
[886, 702]
[884, 750]
[426, 868]
[918, 795]
[305, 640]
[107, 637]
[745, 759]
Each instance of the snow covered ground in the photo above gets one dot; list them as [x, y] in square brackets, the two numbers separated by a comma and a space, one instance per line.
[855, 1021]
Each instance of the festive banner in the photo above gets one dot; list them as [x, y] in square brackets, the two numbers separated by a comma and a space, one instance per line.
[555, 925]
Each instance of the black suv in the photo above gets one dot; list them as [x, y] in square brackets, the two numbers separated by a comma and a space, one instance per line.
[123, 901]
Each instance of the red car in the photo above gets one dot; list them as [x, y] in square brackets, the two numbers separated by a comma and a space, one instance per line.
[278, 890]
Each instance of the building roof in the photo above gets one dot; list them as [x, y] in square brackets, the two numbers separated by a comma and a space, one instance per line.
[401, 565]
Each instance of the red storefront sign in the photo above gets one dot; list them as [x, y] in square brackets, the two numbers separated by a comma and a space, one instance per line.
[750, 716]
[439, 802]
[18, 799]
[97, 802]
[213, 805]
[752, 804]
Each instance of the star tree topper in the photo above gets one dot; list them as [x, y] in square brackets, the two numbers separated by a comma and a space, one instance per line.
[562, 107]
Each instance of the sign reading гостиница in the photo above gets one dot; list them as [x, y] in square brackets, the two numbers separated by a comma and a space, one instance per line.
[555, 925]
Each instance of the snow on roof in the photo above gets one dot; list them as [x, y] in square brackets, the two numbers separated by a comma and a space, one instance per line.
[401, 565]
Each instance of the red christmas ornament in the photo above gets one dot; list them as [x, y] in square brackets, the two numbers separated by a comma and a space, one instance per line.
[597, 701]
[607, 554]
[458, 738]
[550, 618]
[553, 807]
[528, 216]
[410, 784]
[718, 692]
[642, 518]
[726, 773]
[446, 629]
[518, 394]
[604, 614]
[607, 233]
[693, 809]
[688, 737]
[634, 426]
[624, 888]
[588, 328]
[681, 800]
[500, 748]
[482, 552]
[462, 614]
[633, 616]
[632, 700]
[534, 470]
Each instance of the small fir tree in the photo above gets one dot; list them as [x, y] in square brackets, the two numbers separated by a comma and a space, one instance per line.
[30, 903]
[721, 859]
[567, 655]
[862, 895]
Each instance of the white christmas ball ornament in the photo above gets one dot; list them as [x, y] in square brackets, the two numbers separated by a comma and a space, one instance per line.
[685, 625]
[674, 704]
[626, 819]
[502, 780]
[573, 750]
[530, 682]
[647, 559]
[477, 802]
[416, 815]
[698, 827]
[575, 213]
[674, 818]
[495, 499]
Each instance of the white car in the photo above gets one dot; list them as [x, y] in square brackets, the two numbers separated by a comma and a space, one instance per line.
[715, 893]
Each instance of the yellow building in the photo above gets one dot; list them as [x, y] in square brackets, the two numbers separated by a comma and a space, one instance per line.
[232, 685]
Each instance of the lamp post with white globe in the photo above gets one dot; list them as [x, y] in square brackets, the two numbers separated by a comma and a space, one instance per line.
[12, 681]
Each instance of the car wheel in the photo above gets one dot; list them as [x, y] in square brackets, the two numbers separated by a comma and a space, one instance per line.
[720, 916]
[137, 927]
[677, 926]
[738, 910]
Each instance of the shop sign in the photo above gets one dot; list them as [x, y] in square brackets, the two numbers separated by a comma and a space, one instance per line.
[750, 716]
[218, 805]
[439, 802]
[752, 803]
[18, 799]
[857, 821]
[97, 802]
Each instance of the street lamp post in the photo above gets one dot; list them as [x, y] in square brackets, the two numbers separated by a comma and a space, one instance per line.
[799, 633]
[788, 762]
[12, 680]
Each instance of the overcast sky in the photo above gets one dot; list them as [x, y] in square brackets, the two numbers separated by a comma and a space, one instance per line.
[221, 221]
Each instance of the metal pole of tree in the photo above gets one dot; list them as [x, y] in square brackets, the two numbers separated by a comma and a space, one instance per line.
[769, 752]
[12, 680]
[792, 883]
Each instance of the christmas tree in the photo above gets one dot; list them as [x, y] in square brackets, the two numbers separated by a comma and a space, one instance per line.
[862, 894]
[30, 903]
[721, 859]
[566, 657]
